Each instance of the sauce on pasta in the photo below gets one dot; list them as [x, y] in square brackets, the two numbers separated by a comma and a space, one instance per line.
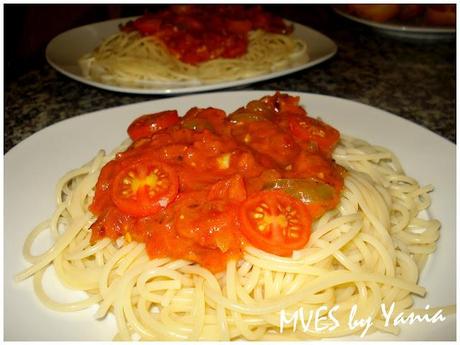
[201, 186]
[194, 33]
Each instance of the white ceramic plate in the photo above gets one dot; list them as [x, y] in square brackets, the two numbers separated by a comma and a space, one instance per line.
[65, 49]
[33, 167]
[402, 30]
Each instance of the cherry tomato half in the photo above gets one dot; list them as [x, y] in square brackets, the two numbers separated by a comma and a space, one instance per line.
[146, 125]
[275, 222]
[144, 187]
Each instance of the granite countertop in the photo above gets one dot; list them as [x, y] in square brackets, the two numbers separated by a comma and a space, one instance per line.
[414, 79]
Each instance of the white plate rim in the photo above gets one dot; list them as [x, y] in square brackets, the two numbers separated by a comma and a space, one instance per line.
[331, 51]
[331, 102]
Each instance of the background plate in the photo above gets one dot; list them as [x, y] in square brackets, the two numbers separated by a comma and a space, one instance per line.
[33, 167]
[65, 49]
[402, 30]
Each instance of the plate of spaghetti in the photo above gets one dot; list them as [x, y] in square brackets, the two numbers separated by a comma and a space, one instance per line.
[231, 216]
[187, 48]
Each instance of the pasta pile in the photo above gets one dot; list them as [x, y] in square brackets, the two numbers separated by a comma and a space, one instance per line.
[367, 252]
[128, 59]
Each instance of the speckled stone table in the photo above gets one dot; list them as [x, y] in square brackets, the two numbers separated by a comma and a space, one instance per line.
[413, 79]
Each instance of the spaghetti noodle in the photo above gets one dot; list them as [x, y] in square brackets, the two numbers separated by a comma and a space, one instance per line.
[128, 59]
[367, 251]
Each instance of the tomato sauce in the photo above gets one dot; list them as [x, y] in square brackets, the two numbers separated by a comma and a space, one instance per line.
[202, 186]
[199, 33]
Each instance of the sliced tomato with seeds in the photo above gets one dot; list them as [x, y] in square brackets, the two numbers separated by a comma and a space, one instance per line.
[275, 222]
[144, 187]
[146, 125]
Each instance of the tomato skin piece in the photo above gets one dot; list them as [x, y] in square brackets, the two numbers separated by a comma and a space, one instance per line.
[144, 187]
[318, 167]
[172, 153]
[285, 103]
[310, 129]
[197, 124]
[275, 222]
[209, 118]
[210, 224]
[102, 199]
[242, 117]
[231, 189]
[146, 125]
[113, 224]
[267, 139]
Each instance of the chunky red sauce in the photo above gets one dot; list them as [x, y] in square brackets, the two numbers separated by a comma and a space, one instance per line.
[198, 33]
[201, 186]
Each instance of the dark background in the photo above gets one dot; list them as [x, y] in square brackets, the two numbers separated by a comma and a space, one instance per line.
[29, 28]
